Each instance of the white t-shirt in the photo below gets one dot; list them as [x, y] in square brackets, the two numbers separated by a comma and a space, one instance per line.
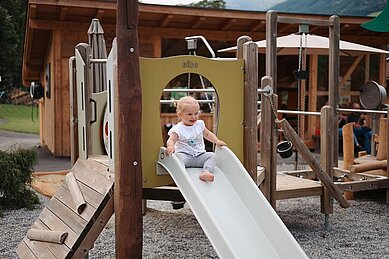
[190, 138]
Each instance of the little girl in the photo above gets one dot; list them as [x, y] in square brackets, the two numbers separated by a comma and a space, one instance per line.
[186, 139]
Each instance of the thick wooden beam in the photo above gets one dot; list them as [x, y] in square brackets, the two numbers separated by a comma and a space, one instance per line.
[166, 20]
[100, 14]
[326, 150]
[75, 3]
[63, 13]
[368, 166]
[268, 149]
[257, 26]
[271, 47]
[227, 23]
[32, 11]
[333, 78]
[250, 55]
[382, 70]
[312, 96]
[387, 159]
[367, 67]
[350, 70]
[173, 33]
[58, 95]
[286, 28]
[383, 139]
[197, 22]
[128, 108]
[313, 163]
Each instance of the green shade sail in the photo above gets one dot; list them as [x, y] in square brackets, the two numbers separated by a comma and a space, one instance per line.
[380, 23]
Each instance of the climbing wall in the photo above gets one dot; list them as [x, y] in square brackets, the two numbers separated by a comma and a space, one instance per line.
[74, 217]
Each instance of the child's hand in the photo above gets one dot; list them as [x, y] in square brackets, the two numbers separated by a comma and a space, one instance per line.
[169, 150]
[220, 143]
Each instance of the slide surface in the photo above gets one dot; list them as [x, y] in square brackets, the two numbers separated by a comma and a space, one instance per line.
[234, 214]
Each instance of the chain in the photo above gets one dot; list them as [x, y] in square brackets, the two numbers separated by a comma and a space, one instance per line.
[304, 57]
[275, 114]
[272, 106]
[300, 92]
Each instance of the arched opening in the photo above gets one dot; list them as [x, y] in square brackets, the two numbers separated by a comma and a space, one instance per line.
[194, 85]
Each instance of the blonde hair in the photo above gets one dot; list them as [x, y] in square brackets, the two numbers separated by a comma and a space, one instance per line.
[184, 102]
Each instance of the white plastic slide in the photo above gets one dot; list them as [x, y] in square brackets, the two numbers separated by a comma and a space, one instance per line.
[234, 214]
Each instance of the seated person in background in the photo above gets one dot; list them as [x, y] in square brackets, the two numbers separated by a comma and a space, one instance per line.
[360, 128]
[343, 120]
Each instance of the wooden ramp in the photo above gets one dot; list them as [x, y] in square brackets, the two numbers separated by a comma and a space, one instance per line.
[62, 215]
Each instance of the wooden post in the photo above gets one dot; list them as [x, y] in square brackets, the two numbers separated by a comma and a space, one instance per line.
[73, 112]
[367, 67]
[268, 150]
[239, 45]
[273, 150]
[382, 69]
[348, 145]
[387, 159]
[128, 109]
[326, 150]
[333, 79]
[271, 47]
[250, 56]
[301, 120]
[348, 153]
[312, 101]
[383, 140]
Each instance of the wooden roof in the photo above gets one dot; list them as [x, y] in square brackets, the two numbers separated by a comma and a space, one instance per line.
[44, 16]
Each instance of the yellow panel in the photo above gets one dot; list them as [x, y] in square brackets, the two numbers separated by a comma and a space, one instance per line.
[225, 75]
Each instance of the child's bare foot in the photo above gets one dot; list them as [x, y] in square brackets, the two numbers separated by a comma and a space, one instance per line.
[206, 176]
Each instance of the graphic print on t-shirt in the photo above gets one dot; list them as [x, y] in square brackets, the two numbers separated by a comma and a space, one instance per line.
[195, 141]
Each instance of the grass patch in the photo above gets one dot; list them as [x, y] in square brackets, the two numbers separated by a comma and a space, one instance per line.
[18, 118]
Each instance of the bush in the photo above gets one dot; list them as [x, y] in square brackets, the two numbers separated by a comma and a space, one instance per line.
[16, 167]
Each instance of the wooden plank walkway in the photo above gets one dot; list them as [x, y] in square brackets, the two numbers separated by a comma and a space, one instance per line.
[60, 214]
[289, 186]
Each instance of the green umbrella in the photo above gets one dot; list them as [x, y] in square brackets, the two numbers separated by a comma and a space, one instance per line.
[380, 23]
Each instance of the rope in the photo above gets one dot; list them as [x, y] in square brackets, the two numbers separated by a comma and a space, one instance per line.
[301, 95]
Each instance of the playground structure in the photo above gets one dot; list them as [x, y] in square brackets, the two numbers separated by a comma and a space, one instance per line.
[328, 124]
[230, 127]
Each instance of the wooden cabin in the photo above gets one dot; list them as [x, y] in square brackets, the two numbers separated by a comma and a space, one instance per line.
[54, 28]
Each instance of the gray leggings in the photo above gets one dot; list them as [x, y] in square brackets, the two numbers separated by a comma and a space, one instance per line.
[205, 160]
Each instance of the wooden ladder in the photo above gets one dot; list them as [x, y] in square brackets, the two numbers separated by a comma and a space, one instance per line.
[96, 185]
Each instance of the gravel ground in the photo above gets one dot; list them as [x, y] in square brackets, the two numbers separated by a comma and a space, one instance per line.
[361, 231]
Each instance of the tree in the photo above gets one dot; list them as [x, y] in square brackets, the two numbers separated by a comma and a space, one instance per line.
[12, 20]
[220, 4]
